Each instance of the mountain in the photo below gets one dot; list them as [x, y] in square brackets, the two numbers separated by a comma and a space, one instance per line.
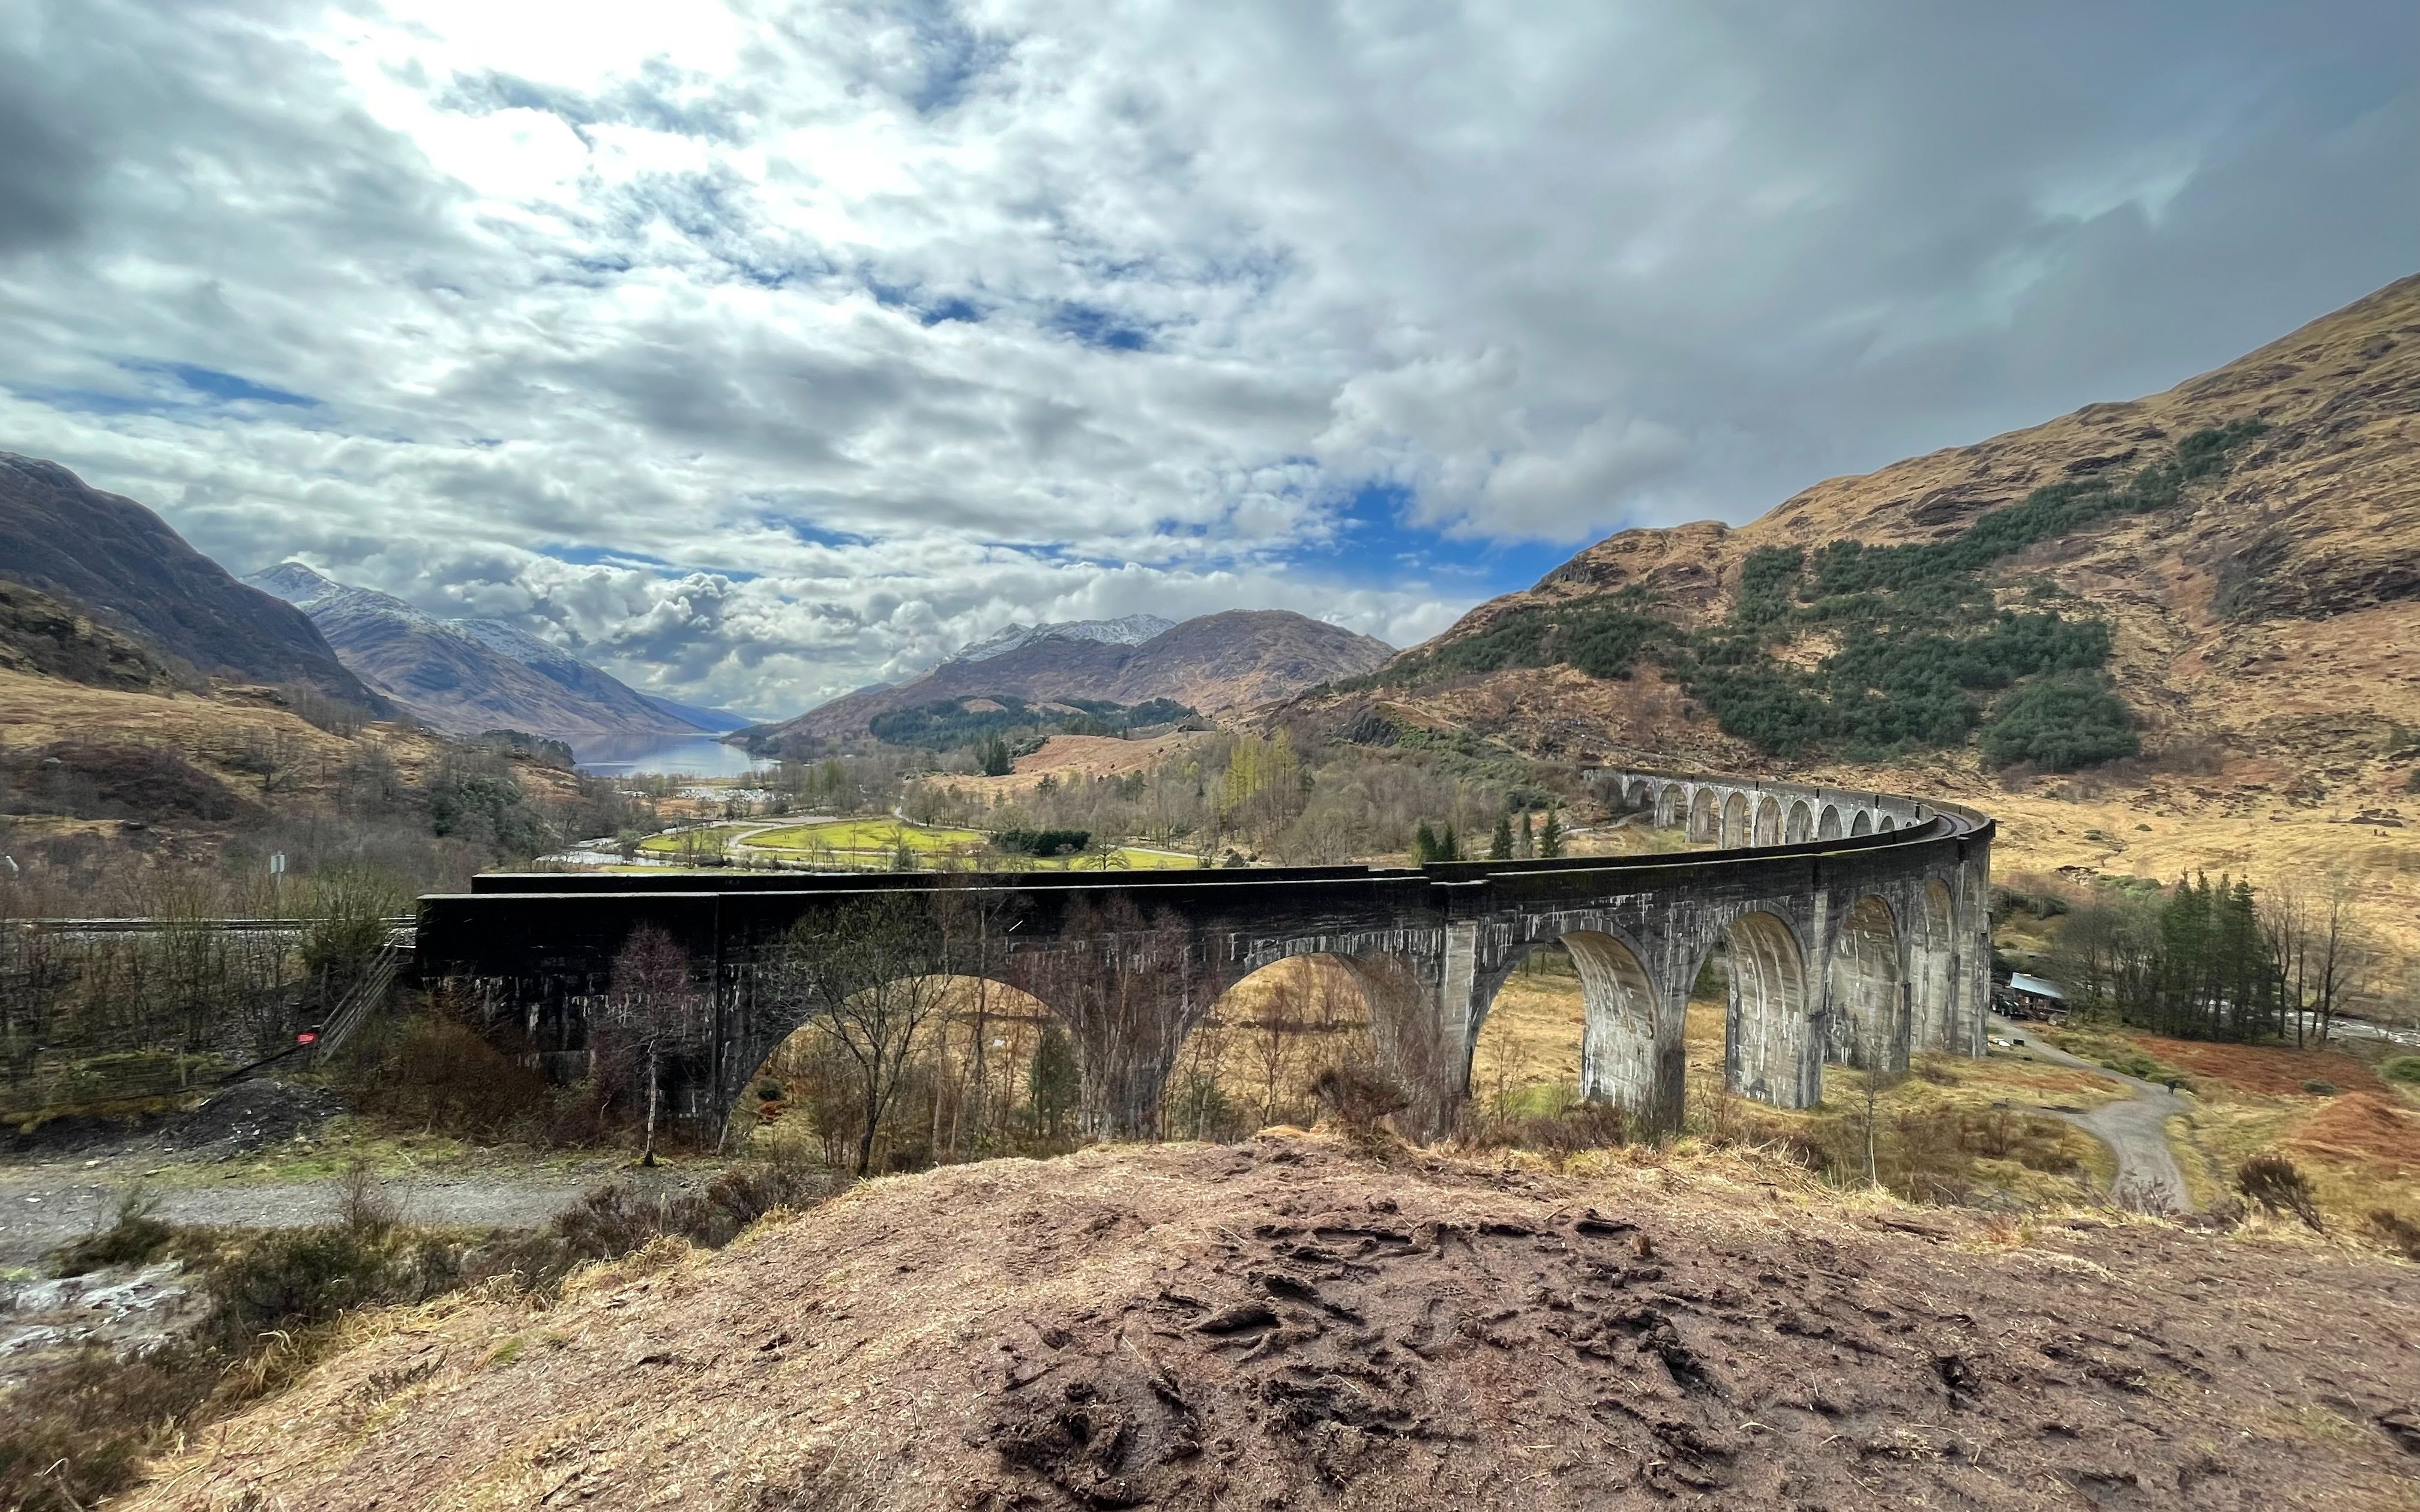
[107, 556]
[2269, 596]
[466, 676]
[1133, 630]
[1215, 663]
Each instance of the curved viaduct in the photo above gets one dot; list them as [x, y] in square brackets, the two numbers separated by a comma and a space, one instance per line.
[1854, 923]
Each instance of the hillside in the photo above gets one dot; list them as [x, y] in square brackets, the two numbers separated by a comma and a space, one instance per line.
[1213, 664]
[1276, 1324]
[108, 556]
[467, 676]
[2260, 624]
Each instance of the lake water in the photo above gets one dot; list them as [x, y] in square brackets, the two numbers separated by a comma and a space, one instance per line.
[673, 756]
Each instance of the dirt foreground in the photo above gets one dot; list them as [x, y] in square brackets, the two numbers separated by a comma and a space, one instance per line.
[1282, 1324]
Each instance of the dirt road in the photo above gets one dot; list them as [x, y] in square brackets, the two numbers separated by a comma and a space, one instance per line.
[43, 1206]
[2135, 1130]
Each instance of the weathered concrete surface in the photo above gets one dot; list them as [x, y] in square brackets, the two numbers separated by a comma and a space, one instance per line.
[1868, 943]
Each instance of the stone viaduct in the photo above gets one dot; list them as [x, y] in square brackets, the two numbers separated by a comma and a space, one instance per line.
[1853, 925]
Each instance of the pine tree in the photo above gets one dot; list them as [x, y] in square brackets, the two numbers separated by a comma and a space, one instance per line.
[1499, 848]
[1449, 848]
[1528, 839]
[1424, 844]
[1550, 836]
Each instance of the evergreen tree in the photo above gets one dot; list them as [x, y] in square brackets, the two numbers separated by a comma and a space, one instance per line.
[1528, 839]
[1500, 847]
[1449, 847]
[1424, 845]
[1550, 836]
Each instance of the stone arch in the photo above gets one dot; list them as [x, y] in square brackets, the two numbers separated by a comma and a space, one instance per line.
[988, 1026]
[1885, 825]
[1767, 829]
[1801, 827]
[1828, 825]
[1864, 823]
[1933, 969]
[1619, 1056]
[1638, 795]
[1736, 821]
[1767, 1029]
[1671, 803]
[1705, 818]
[1869, 1004]
[1251, 1058]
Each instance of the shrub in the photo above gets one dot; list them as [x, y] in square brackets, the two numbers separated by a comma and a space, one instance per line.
[2279, 1186]
[1358, 1096]
[2402, 1069]
[2396, 1232]
[79, 1431]
[2319, 1087]
[1042, 842]
[133, 1239]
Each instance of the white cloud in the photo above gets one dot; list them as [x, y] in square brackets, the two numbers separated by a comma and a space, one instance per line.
[760, 349]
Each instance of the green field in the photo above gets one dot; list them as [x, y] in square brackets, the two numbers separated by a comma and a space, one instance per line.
[871, 842]
[883, 835]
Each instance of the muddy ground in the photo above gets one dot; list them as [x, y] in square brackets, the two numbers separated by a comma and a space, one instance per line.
[1285, 1324]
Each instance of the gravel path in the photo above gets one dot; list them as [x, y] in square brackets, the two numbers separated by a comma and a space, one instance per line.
[41, 1207]
[2135, 1130]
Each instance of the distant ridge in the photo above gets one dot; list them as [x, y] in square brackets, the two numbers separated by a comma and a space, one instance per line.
[1214, 663]
[466, 676]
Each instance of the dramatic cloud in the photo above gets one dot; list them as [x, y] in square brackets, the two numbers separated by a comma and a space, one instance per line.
[758, 350]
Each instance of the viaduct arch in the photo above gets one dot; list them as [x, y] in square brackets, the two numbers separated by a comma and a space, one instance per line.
[1856, 924]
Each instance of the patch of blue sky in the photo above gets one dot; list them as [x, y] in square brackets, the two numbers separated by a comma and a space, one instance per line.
[224, 388]
[918, 301]
[601, 556]
[1374, 539]
[190, 387]
[1099, 328]
[814, 534]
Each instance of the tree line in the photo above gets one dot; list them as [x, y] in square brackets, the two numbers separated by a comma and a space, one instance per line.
[2217, 960]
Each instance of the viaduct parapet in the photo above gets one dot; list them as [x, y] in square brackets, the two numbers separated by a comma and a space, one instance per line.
[1853, 925]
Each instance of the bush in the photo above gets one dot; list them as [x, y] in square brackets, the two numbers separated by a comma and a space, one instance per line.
[1042, 842]
[79, 1431]
[2273, 1181]
[2396, 1232]
[2402, 1069]
[2319, 1087]
[133, 1239]
[1358, 1096]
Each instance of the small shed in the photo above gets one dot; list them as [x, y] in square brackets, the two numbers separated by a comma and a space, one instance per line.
[2033, 997]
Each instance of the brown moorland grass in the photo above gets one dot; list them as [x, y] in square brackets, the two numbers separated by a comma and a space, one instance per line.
[1282, 1324]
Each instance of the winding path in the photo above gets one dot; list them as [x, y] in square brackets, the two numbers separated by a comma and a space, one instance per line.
[2135, 1130]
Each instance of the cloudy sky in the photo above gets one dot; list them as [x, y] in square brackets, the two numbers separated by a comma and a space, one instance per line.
[759, 349]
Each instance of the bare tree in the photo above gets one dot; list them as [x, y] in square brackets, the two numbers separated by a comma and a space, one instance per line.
[2318, 951]
[869, 977]
[1127, 991]
[659, 1011]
